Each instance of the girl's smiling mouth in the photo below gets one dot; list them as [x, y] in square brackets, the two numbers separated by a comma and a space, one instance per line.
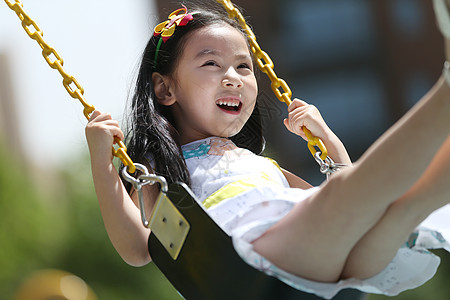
[229, 105]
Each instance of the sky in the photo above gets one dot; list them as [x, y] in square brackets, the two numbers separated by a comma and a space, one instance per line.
[100, 42]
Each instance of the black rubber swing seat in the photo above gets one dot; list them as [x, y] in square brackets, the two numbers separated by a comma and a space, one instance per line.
[208, 267]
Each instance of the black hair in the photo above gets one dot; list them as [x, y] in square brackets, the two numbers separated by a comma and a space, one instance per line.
[151, 137]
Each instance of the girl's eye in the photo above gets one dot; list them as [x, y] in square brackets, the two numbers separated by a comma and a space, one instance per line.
[245, 66]
[210, 63]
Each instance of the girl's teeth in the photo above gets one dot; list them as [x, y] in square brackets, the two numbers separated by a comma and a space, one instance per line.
[227, 104]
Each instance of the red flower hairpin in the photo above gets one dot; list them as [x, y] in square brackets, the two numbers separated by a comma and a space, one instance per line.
[179, 17]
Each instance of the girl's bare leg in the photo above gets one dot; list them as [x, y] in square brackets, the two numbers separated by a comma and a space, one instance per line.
[401, 218]
[316, 237]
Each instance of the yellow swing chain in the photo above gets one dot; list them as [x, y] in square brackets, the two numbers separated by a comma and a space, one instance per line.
[263, 60]
[77, 91]
[266, 65]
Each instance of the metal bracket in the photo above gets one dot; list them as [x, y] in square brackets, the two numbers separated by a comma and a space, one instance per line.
[169, 225]
[166, 222]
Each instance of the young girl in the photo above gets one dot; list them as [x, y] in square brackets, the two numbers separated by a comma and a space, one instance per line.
[195, 119]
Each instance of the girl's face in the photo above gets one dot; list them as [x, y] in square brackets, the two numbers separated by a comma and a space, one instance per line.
[214, 87]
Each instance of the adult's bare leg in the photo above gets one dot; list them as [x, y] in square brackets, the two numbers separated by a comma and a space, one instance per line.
[316, 237]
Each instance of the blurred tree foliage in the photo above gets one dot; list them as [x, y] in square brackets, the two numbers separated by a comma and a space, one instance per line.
[61, 228]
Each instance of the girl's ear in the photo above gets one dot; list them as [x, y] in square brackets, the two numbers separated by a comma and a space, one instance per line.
[163, 93]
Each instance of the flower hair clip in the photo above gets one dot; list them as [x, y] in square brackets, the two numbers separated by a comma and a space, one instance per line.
[166, 29]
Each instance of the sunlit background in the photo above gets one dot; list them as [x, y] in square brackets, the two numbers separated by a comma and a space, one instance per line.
[362, 63]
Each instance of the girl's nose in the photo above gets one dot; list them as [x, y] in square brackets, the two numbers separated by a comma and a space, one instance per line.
[232, 79]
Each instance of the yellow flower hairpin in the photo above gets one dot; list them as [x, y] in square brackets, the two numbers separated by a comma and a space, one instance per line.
[179, 17]
[166, 29]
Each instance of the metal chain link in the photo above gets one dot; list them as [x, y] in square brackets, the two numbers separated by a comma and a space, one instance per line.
[266, 65]
[72, 86]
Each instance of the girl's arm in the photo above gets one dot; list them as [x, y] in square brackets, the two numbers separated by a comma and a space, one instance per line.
[302, 114]
[120, 214]
[295, 181]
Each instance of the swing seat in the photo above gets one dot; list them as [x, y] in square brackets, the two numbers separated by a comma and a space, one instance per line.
[208, 267]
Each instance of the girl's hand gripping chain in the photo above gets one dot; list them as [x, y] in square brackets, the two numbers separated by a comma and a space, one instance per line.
[100, 133]
[302, 114]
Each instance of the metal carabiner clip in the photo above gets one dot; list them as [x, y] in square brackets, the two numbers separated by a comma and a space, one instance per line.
[327, 166]
[144, 179]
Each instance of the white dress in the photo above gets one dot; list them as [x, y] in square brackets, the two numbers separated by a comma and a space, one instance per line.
[245, 194]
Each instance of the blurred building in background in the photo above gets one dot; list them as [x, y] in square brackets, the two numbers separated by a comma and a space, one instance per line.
[10, 132]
